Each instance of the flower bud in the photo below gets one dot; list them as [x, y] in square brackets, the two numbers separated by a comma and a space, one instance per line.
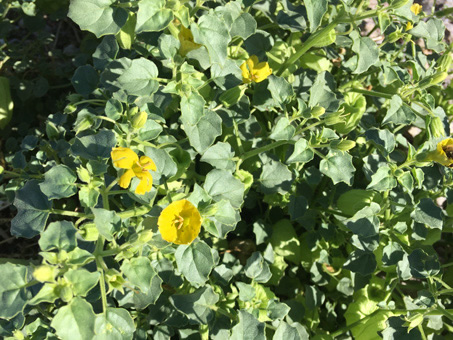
[70, 108]
[395, 36]
[445, 62]
[317, 111]
[89, 232]
[44, 273]
[139, 120]
[334, 118]
[345, 145]
[438, 78]
[64, 291]
[437, 127]
[84, 174]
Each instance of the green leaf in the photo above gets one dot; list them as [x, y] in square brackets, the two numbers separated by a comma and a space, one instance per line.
[220, 184]
[126, 36]
[427, 212]
[302, 153]
[280, 89]
[192, 108]
[367, 52]
[152, 16]
[315, 11]
[150, 130]
[198, 306]
[195, 261]
[75, 321]
[283, 130]
[398, 112]
[275, 177]
[212, 32]
[81, 280]
[277, 310]
[382, 180]
[248, 328]
[384, 140]
[423, 265]
[243, 26]
[88, 196]
[203, 134]
[107, 222]
[433, 31]
[32, 211]
[105, 52]
[257, 268]
[115, 323]
[338, 166]
[141, 274]
[285, 242]
[85, 80]
[220, 156]
[132, 77]
[59, 182]
[59, 235]
[294, 331]
[297, 207]
[80, 257]
[362, 262]
[97, 146]
[322, 93]
[392, 254]
[97, 16]
[165, 165]
[396, 330]
[13, 292]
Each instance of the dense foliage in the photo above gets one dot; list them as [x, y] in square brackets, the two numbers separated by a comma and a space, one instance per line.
[230, 169]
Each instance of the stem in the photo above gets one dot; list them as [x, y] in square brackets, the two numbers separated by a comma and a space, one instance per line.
[265, 148]
[311, 41]
[70, 213]
[90, 101]
[371, 93]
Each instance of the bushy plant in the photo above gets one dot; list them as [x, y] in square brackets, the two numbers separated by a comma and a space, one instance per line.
[240, 169]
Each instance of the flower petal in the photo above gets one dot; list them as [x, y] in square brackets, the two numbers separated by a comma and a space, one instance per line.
[147, 163]
[245, 73]
[125, 179]
[146, 183]
[123, 158]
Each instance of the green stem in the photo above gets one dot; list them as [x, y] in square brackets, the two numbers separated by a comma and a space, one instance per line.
[311, 41]
[265, 148]
[371, 93]
[70, 213]
[100, 101]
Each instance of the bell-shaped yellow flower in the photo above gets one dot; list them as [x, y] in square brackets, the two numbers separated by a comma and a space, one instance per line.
[443, 153]
[179, 222]
[185, 37]
[254, 71]
[125, 158]
[416, 9]
[409, 26]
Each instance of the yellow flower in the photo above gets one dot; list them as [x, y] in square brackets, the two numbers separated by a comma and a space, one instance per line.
[253, 70]
[416, 9]
[186, 39]
[180, 222]
[443, 153]
[125, 158]
[409, 26]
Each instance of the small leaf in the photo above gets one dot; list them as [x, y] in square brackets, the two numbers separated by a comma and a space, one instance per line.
[152, 16]
[75, 321]
[302, 153]
[107, 222]
[85, 80]
[248, 328]
[382, 180]
[220, 156]
[115, 323]
[315, 11]
[97, 16]
[398, 112]
[195, 261]
[32, 211]
[338, 166]
[367, 52]
[94, 146]
[257, 268]
[427, 212]
[82, 281]
[220, 184]
[192, 108]
[59, 235]
[197, 306]
[13, 292]
[275, 177]
[59, 182]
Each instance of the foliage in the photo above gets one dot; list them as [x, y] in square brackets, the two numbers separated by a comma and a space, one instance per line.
[278, 126]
